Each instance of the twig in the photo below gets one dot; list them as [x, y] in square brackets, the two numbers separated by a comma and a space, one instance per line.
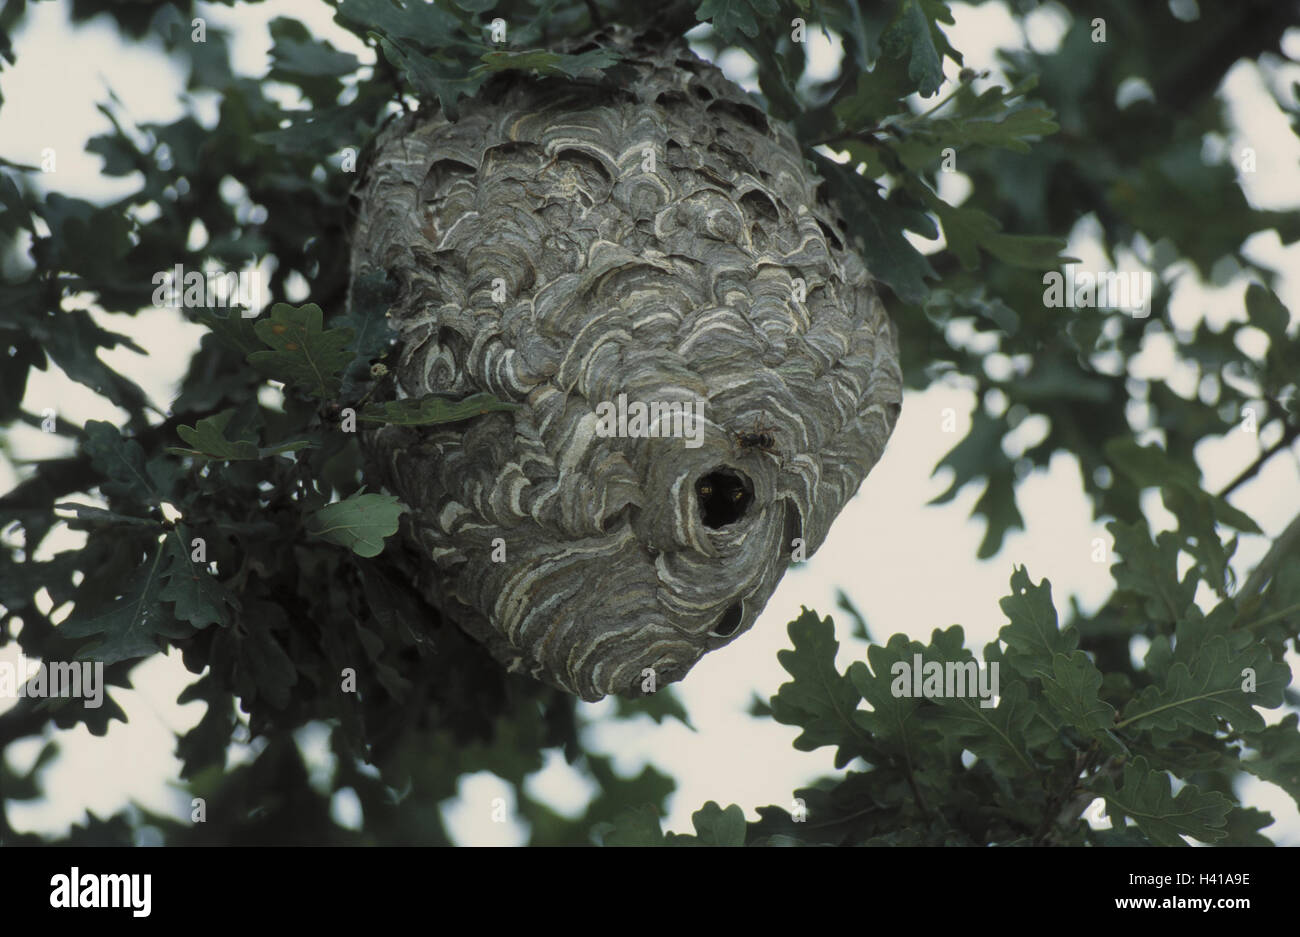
[1275, 616]
[1266, 567]
[22, 720]
[1289, 436]
[1055, 800]
[55, 478]
[865, 135]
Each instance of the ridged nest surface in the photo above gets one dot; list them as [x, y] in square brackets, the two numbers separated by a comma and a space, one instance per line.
[579, 558]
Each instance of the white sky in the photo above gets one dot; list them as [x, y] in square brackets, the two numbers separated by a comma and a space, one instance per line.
[907, 566]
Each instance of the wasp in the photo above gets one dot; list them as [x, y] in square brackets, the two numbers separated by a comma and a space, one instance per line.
[761, 438]
[733, 493]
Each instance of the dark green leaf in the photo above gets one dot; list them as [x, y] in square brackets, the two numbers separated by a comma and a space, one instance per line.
[1032, 637]
[818, 699]
[1277, 758]
[200, 599]
[909, 37]
[98, 517]
[1192, 698]
[302, 352]
[717, 827]
[1144, 795]
[638, 826]
[1072, 688]
[208, 439]
[432, 409]
[122, 461]
[552, 63]
[730, 17]
[131, 625]
[879, 224]
[360, 522]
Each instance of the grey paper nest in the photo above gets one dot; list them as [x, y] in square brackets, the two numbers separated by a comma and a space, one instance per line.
[678, 284]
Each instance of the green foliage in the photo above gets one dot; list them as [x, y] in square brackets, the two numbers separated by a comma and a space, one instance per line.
[730, 17]
[129, 626]
[303, 352]
[208, 437]
[360, 522]
[199, 598]
[1059, 735]
[414, 411]
[822, 702]
[551, 63]
[717, 827]
[1213, 690]
[232, 524]
[121, 462]
[915, 35]
[1278, 760]
[1144, 795]
[879, 224]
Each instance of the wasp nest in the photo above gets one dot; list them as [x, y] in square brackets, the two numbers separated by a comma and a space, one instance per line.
[587, 250]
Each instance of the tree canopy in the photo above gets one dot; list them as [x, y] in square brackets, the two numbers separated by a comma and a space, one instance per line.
[236, 522]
